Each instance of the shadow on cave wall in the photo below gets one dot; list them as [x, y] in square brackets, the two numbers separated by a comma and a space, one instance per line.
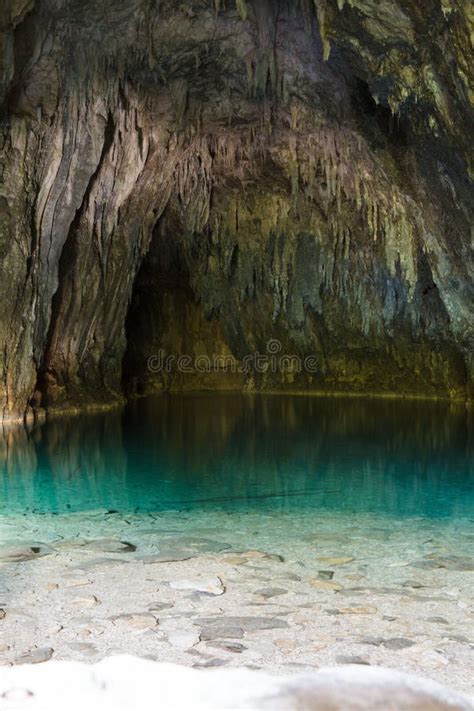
[167, 320]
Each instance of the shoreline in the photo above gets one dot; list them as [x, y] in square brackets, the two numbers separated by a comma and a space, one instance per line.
[33, 418]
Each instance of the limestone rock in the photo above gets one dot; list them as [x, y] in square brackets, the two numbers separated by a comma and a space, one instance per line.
[325, 585]
[135, 620]
[351, 123]
[248, 624]
[109, 545]
[128, 683]
[207, 586]
[341, 560]
[18, 553]
[36, 656]
[268, 593]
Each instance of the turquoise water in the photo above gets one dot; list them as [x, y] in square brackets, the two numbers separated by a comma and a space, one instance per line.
[246, 453]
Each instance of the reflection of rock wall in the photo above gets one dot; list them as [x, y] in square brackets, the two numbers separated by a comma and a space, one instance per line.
[70, 460]
[325, 203]
[289, 451]
[335, 449]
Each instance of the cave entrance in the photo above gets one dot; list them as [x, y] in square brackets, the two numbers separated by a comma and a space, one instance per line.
[173, 343]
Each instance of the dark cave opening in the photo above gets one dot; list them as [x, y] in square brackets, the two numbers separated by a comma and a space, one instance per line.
[165, 318]
[376, 118]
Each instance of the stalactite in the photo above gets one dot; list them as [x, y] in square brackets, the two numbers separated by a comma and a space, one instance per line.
[321, 11]
[179, 95]
[242, 8]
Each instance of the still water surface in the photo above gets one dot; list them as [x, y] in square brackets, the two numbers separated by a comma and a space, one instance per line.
[247, 453]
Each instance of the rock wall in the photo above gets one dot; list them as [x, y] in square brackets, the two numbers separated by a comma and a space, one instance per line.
[205, 176]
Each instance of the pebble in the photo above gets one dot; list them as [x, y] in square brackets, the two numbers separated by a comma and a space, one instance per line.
[166, 556]
[348, 659]
[84, 648]
[136, 620]
[175, 550]
[453, 562]
[248, 624]
[19, 553]
[89, 601]
[207, 586]
[160, 606]
[342, 560]
[235, 560]
[36, 656]
[362, 610]
[324, 584]
[221, 631]
[235, 647]
[412, 584]
[374, 641]
[261, 555]
[268, 593]
[109, 545]
[211, 663]
[438, 620]
[78, 583]
[397, 643]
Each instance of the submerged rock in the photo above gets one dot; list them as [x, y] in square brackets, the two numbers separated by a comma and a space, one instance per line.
[268, 593]
[36, 656]
[208, 586]
[248, 624]
[220, 630]
[235, 647]
[325, 585]
[183, 548]
[342, 560]
[135, 620]
[21, 552]
[109, 545]
[350, 659]
[452, 562]
[397, 643]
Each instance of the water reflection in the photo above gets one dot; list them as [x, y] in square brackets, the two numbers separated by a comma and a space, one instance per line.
[243, 451]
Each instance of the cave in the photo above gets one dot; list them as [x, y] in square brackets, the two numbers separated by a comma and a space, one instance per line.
[302, 182]
[236, 353]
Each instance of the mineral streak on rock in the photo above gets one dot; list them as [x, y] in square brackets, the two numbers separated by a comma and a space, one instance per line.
[205, 176]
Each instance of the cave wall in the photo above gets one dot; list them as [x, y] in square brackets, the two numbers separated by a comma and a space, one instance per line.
[307, 165]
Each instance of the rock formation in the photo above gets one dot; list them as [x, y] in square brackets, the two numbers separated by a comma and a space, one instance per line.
[129, 683]
[204, 176]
